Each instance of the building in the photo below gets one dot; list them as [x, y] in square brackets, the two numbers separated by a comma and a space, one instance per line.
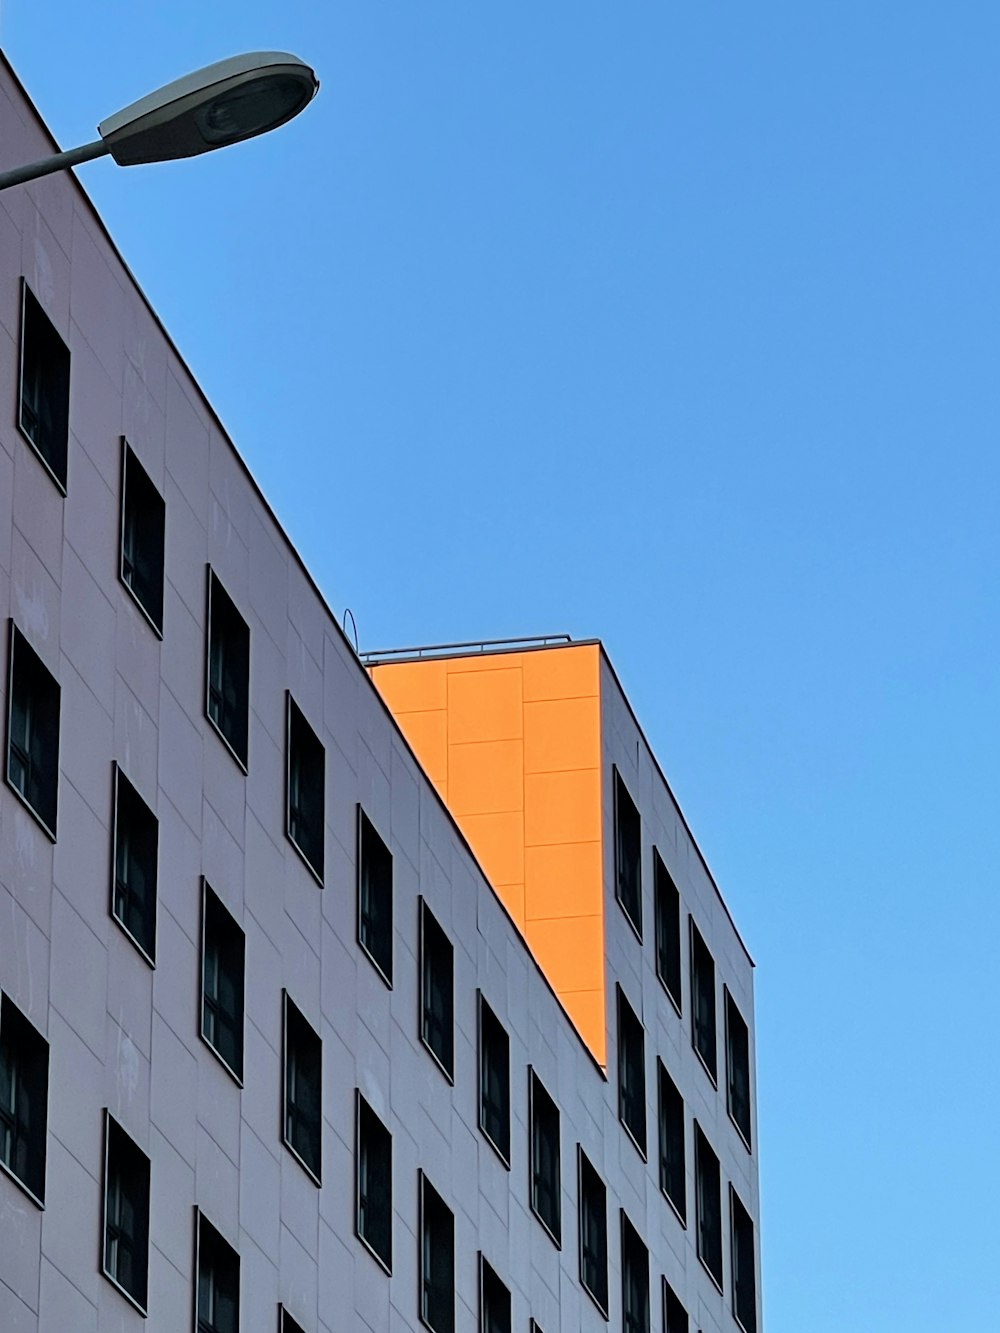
[275, 1053]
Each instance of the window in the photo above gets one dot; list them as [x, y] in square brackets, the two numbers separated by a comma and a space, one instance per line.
[24, 1095]
[702, 1001]
[494, 1301]
[738, 1069]
[635, 1280]
[143, 519]
[708, 1197]
[437, 1260]
[546, 1200]
[133, 891]
[218, 1282]
[374, 897]
[32, 731]
[671, 1108]
[223, 960]
[373, 1210]
[628, 855]
[494, 1080]
[593, 1233]
[436, 991]
[631, 1073]
[744, 1265]
[302, 1116]
[668, 930]
[227, 686]
[306, 795]
[675, 1318]
[126, 1213]
[43, 404]
[286, 1324]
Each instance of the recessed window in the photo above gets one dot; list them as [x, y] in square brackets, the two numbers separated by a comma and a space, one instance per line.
[133, 892]
[671, 1116]
[218, 1299]
[708, 1198]
[494, 1301]
[437, 1013]
[546, 1198]
[223, 962]
[374, 896]
[303, 1117]
[668, 929]
[306, 797]
[373, 1211]
[738, 1068]
[143, 520]
[703, 1001]
[126, 1213]
[437, 1260]
[744, 1265]
[286, 1324]
[227, 688]
[24, 1094]
[43, 402]
[593, 1212]
[32, 731]
[494, 1080]
[635, 1280]
[631, 1073]
[675, 1318]
[628, 855]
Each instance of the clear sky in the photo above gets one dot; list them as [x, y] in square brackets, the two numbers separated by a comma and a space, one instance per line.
[678, 325]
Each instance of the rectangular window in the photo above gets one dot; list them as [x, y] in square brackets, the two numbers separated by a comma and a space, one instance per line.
[143, 521]
[635, 1280]
[302, 1115]
[373, 1207]
[223, 963]
[708, 1197]
[738, 1068]
[437, 1260]
[126, 1213]
[631, 1073]
[546, 1197]
[374, 897]
[494, 1301]
[675, 1318]
[32, 731]
[628, 855]
[43, 400]
[671, 1108]
[218, 1295]
[668, 929]
[133, 890]
[24, 1096]
[494, 1080]
[306, 790]
[703, 1001]
[437, 1012]
[286, 1324]
[744, 1265]
[227, 670]
[593, 1212]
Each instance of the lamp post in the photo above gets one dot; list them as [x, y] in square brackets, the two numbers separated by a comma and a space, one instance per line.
[224, 103]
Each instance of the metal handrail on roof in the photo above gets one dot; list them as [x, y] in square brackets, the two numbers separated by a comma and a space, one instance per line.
[380, 655]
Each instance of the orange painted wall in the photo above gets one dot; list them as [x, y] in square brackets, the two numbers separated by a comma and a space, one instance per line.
[512, 742]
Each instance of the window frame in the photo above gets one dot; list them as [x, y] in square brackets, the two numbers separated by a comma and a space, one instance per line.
[366, 825]
[361, 1104]
[60, 482]
[486, 1018]
[229, 612]
[427, 915]
[663, 1076]
[736, 1267]
[287, 1323]
[199, 1218]
[113, 1126]
[423, 1185]
[630, 1236]
[315, 1174]
[129, 460]
[206, 889]
[21, 1020]
[669, 1295]
[14, 636]
[695, 935]
[637, 1134]
[120, 776]
[730, 1006]
[555, 1236]
[489, 1275]
[620, 788]
[316, 872]
[583, 1165]
[664, 885]
[700, 1137]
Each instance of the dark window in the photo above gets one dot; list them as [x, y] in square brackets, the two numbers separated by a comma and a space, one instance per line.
[303, 1118]
[374, 896]
[373, 1212]
[133, 892]
[24, 1090]
[628, 855]
[546, 1199]
[631, 1073]
[738, 1068]
[436, 990]
[437, 1260]
[286, 1324]
[494, 1080]
[534, 1326]
[635, 1280]
[43, 409]
[593, 1233]
[227, 701]
[223, 961]
[142, 537]
[668, 929]
[306, 814]
[675, 1318]
[672, 1177]
[32, 731]
[126, 1213]
[744, 1270]
[494, 1301]
[709, 1203]
[218, 1282]
[702, 1001]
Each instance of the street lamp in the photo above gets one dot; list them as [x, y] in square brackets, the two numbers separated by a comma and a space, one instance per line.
[221, 104]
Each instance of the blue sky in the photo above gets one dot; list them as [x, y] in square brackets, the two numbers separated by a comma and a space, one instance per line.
[676, 325]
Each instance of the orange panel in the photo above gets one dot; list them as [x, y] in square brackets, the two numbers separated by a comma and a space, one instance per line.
[562, 879]
[570, 950]
[428, 735]
[412, 687]
[560, 734]
[498, 841]
[562, 807]
[561, 673]
[586, 1008]
[484, 706]
[486, 777]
